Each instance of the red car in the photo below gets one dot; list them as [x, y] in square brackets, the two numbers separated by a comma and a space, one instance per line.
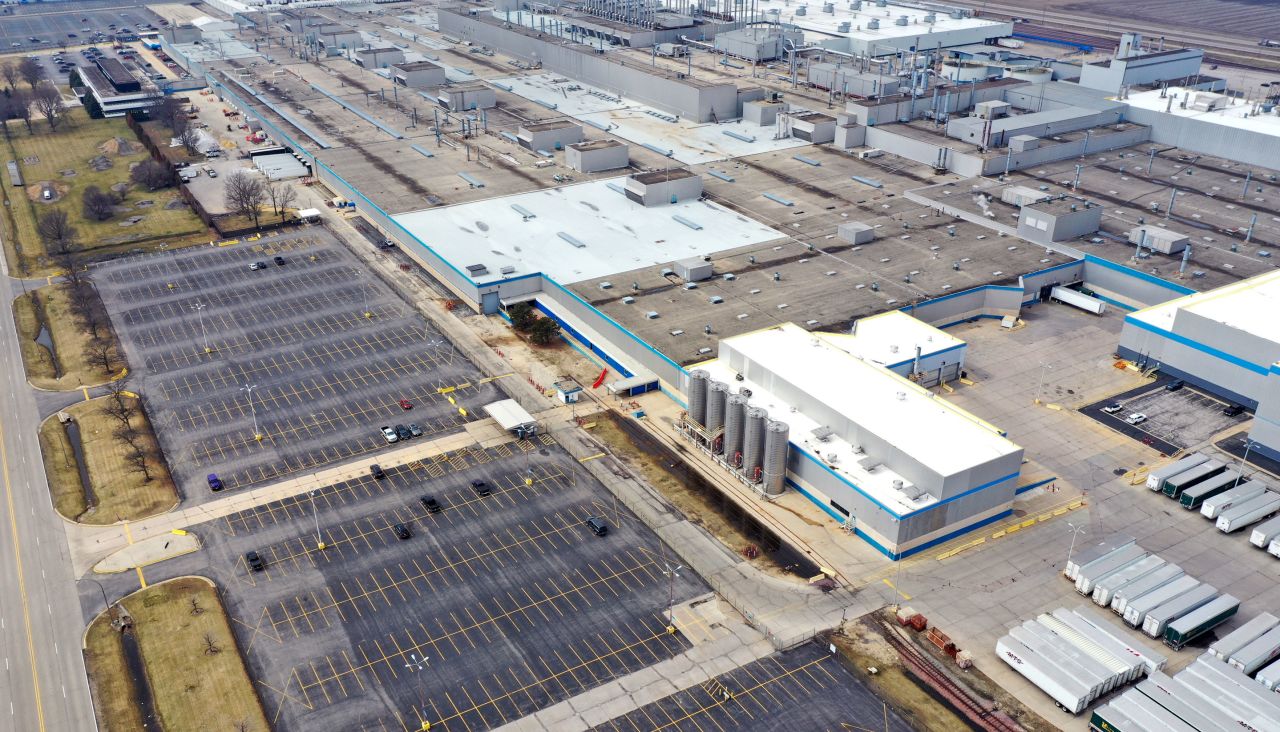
[406, 405]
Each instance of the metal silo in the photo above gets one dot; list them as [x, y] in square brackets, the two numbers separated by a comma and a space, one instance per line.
[753, 441]
[775, 457]
[735, 419]
[698, 396]
[717, 393]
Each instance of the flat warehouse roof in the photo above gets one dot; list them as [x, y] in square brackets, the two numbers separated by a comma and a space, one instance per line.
[1248, 305]
[891, 338]
[1238, 113]
[577, 232]
[932, 431]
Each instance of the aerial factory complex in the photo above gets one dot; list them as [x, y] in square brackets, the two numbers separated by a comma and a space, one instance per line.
[640, 365]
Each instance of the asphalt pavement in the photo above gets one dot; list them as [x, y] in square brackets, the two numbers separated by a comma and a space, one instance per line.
[43, 686]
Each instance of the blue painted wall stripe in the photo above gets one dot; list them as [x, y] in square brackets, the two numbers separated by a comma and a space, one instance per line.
[1166, 284]
[1223, 355]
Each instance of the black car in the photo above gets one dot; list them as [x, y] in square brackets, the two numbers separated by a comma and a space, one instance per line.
[431, 504]
[597, 525]
[278, 260]
[1174, 385]
[403, 432]
[255, 561]
[415, 430]
[1233, 410]
[481, 488]
[402, 531]
[376, 471]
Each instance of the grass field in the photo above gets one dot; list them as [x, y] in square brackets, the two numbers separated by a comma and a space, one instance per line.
[194, 689]
[48, 157]
[69, 341]
[120, 492]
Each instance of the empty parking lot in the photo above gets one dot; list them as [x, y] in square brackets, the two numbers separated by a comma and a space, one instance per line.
[495, 606]
[257, 374]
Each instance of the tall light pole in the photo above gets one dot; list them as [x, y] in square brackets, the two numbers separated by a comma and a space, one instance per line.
[1044, 369]
[672, 573]
[315, 513]
[1075, 532]
[199, 308]
[105, 602]
[1244, 460]
[248, 389]
[364, 295]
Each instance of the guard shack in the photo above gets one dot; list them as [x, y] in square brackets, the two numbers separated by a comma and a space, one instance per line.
[513, 418]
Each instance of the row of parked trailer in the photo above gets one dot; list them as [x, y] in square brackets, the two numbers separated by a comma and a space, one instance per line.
[1148, 592]
[1210, 695]
[1223, 495]
[1076, 656]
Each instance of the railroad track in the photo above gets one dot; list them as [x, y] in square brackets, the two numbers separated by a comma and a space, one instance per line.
[1220, 48]
[922, 666]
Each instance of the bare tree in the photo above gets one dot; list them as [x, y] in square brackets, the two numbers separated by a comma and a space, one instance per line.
[31, 71]
[195, 605]
[102, 354]
[138, 460]
[189, 138]
[98, 204]
[152, 174]
[273, 193]
[168, 111]
[288, 196]
[9, 71]
[55, 230]
[245, 195]
[85, 306]
[21, 102]
[7, 113]
[48, 101]
[211, 645]
[118, 406]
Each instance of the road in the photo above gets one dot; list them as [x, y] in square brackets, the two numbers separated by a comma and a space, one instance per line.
[44, 686]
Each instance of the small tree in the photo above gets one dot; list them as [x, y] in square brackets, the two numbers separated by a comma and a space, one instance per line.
[544, 331]
[288, 196]
[101, 354]
[211, 645]
[139, 460]
[152, 174]
[98, 204]
[168, 111]
[195, 605]
[48, 101]
[188, 137]
[31, 71]
[21, 102]
[245, 195]
[522, 316]
[59, 236]
[84, 305]
[118, 406]
[9, 71]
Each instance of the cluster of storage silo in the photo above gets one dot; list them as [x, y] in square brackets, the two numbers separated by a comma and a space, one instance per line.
[751, 443]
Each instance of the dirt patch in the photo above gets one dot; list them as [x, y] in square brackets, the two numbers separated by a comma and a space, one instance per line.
[35, 192]
[117, 146]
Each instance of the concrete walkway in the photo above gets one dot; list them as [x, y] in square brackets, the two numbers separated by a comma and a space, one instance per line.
[148, 551]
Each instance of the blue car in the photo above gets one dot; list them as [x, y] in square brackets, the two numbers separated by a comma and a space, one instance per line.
[215, 483]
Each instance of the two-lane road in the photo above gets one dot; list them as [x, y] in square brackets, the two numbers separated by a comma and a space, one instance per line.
[43, 686]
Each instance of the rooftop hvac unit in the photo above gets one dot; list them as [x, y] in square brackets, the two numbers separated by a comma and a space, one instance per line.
[869, 463]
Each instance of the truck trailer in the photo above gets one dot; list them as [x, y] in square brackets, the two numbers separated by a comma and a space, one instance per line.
[1228, 645]
[1173, 487]
[1070, 694]
[1263, 534]
[1196, 623]
[1156, 478]
[1250, 705]
[1106, 567]
[1136, 611]
[1110, 636]
[1093, 553]
[1175, 697]
[1269, 675]
[1192, 497]
[1260, 652]
[1152, 582]
[1215, 505]
[1250, 512]
[1159, 618]
[1105, 588]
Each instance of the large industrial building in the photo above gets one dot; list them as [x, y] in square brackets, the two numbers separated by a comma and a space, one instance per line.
[1225, 341]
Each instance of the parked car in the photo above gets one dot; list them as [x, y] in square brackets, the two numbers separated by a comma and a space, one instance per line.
[403, 432]
[1113, 407]
[1136, 418]
[277, 259]
[431, 504]
[215, 483]
[406, 405]
[1233, 410]
[1174, 385]
[257, 266]
[481, 487]
[597, 525]
[254, 560]
[389, 434]
[415, 430]
[402, 531]
[376, 471]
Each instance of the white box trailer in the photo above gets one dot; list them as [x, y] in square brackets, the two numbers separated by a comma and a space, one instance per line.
[1250, 512]
[1129, 668]
[1106, 567]
[1158, 618]
[1138, 608]
[1260, 652]
[1105, 588]
[1215, 505]
[1152, 582]
[1269, 676]
[1068, 693]
[1156, 478]
[1274, 547]
[1252, 706]
[1150, 716]
[1069, 658]
[1085, 619]
[1266, 532]
[1178, 633]
[1232, 642]
[1078, 299]
[1174, 697]
[1093, 553]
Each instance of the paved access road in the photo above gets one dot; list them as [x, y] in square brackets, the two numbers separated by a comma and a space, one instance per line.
[43, 686]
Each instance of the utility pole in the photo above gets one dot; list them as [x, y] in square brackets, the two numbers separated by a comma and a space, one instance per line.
[1044, 368]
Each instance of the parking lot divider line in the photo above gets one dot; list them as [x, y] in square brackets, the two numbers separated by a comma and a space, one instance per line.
[456, 714]
[368, 665]
[323, 690]
[287, 616]
[334, 670]
[352, 669]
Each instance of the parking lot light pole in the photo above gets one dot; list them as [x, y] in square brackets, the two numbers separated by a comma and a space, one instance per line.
[1044, 369]
[199, 308]
[248, 389]
[1075, 532]
[671, 573]
[1244, 461]
[315, 513]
